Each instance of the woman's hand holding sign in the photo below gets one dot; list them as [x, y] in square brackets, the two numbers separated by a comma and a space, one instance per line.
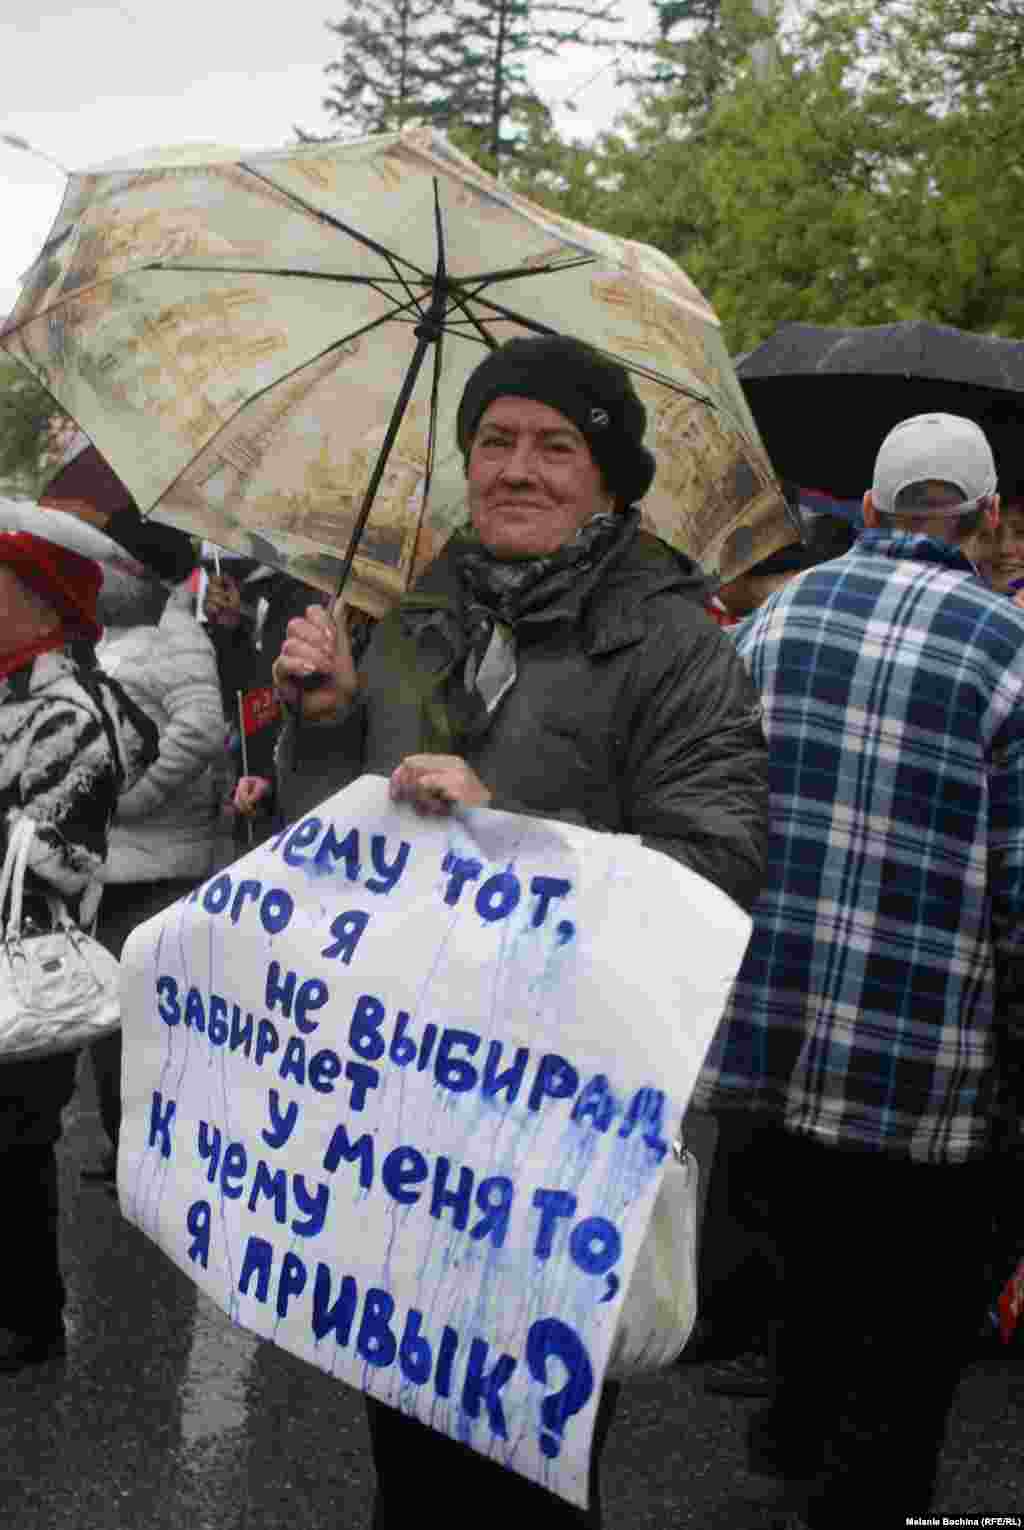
[316, 645]
[434, 783]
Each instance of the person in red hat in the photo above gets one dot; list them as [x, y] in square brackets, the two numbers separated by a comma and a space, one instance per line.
[69, 742]
[166, 835]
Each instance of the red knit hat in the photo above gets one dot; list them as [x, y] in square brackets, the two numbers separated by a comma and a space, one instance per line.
[66, 580]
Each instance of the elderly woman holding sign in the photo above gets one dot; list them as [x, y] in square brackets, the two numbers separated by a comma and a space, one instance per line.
[554, 660]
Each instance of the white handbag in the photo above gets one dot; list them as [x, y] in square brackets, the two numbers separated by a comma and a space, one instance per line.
[660, 1308]
[59, 989]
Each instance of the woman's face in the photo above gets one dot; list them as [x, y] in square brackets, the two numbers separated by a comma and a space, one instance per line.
[532, 481]
[1010, 558]
[24, 615]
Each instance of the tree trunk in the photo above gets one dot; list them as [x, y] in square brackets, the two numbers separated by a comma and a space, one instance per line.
[498, 83]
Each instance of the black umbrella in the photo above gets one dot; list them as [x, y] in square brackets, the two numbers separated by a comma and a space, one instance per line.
[824, 398]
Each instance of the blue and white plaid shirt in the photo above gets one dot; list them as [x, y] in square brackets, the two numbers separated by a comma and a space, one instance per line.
[888, 943]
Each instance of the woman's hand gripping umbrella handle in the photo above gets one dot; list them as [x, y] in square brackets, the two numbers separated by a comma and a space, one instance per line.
[314, 673]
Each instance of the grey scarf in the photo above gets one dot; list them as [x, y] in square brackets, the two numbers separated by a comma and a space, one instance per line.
[499, 593]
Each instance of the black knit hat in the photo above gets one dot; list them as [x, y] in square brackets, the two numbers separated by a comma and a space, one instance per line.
[591, 390]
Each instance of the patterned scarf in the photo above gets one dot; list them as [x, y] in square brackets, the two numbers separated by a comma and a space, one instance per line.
[498, 593]
[457, 664]
[19, 658]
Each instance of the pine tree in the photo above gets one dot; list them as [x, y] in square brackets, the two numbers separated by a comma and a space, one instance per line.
[498, 40]
[395, 65]
[695, 50]
[467, 73]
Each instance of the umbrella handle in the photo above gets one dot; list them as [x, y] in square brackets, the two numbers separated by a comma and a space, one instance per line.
[428, 332]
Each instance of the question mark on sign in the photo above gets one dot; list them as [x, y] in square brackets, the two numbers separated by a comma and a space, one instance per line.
[550, 1337]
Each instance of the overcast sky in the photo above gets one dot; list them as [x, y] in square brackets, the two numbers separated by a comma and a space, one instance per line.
[85, 82]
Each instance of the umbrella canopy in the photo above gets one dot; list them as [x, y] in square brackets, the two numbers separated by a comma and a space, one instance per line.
[824, 398]
[233, 332]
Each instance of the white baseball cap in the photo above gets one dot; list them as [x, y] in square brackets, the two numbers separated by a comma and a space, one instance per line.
[943, 448]
[62, 529]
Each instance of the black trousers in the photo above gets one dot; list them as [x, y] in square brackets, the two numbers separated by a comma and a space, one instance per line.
[739, 1272]
[466, 1486]
[884, 1265]
[32, 1096]
[125, 904]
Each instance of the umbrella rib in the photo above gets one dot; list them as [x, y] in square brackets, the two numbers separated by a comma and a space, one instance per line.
[514, 273]
[384, 318]
[389, 255]
[440, 295]
[344, 278]
[309, 361]
[377, 283]
[461, 304]
[651, 373]
[477, 282]
[336, 223]
[435, 398]
[460, 299]
[351, 278]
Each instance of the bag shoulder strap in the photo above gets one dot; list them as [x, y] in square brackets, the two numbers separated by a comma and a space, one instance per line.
[92, 680]
[11, 855]
[19, 842]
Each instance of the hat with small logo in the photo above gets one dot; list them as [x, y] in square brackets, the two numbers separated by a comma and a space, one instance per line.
[591, 390]
[934, 448]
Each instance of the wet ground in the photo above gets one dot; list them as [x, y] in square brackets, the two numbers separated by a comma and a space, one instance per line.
[165, 1417]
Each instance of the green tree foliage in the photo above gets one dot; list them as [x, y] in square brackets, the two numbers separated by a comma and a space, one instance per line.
[27, 430]
[940, 51]
[874, 174]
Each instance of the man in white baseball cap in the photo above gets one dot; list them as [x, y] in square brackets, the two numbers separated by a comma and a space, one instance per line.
[874, 1038]
[936, 474]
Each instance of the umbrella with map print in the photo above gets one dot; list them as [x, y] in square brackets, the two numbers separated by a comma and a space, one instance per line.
[244, 338]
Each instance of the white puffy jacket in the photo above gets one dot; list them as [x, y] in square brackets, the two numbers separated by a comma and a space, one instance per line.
[165, 824]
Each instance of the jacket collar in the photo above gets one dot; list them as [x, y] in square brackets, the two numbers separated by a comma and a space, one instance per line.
[638, 565]
[901, 545]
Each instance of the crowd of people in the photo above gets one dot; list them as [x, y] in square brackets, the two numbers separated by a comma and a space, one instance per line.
[836, 740]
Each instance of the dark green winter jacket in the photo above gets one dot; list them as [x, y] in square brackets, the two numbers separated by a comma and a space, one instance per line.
[631, 712]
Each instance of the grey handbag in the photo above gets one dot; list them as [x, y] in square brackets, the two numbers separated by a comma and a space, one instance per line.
[58, 989]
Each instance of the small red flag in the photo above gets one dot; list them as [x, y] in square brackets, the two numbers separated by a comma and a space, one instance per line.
[259, 708]
[1010, 1305]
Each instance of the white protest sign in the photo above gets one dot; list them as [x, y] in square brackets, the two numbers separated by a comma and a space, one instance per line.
[398, 1094]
